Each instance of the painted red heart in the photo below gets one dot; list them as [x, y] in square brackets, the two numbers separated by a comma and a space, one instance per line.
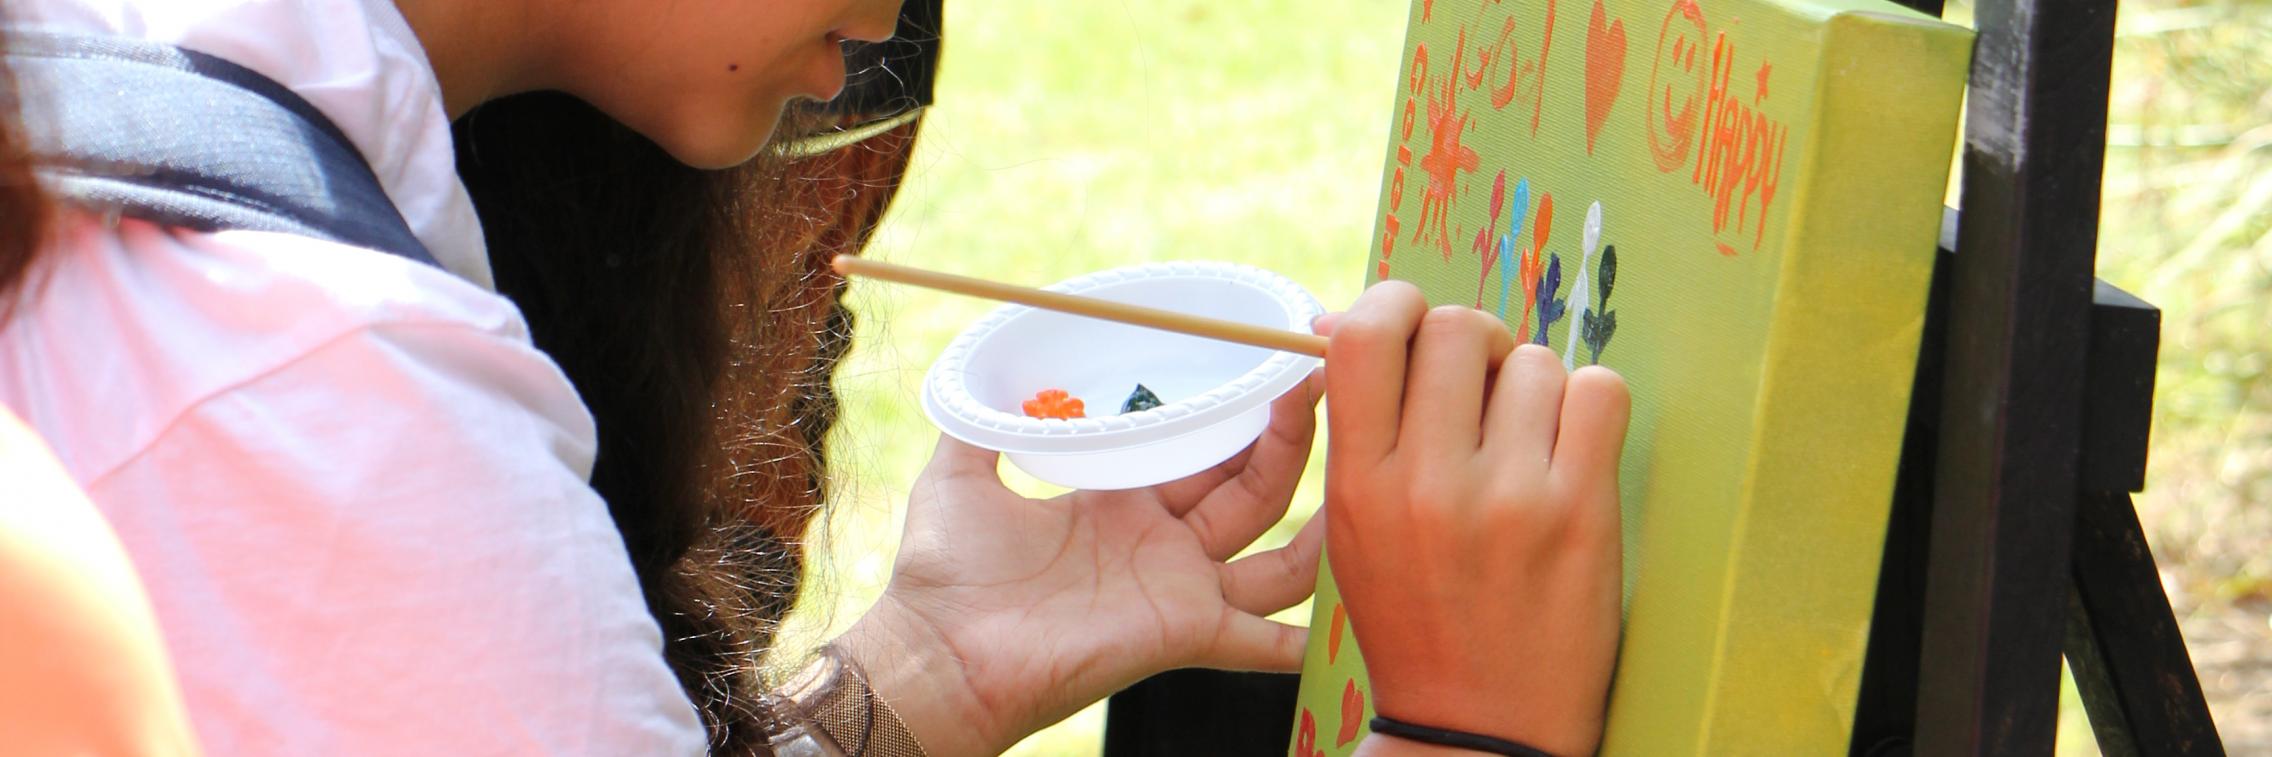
[1333, 637]
[1305, 737]
[1605, 69]
[1352, 713]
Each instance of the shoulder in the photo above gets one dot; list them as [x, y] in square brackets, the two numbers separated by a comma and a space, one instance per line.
[128, 326]
[356, 493]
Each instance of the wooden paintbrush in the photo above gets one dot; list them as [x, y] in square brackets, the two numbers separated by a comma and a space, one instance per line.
[1149, 317]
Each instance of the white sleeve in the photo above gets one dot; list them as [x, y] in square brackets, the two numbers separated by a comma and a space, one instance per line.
[389, 546]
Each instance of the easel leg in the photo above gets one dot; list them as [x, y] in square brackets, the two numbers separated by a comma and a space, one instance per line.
[2123, 642]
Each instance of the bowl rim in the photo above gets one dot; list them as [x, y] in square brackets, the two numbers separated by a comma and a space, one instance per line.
[951, 406]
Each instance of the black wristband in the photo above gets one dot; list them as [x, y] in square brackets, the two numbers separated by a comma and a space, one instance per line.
[1386, 725]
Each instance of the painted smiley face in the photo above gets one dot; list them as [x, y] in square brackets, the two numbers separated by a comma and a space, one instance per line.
[1676, 85]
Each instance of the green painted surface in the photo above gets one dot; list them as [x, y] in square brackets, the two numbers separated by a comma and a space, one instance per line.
[1767, 176]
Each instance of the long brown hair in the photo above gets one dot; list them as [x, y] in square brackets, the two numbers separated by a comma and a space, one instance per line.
[23, 209]
[696, 314]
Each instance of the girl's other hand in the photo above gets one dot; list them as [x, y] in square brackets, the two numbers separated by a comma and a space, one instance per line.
[1471, 497]
[1005, 614]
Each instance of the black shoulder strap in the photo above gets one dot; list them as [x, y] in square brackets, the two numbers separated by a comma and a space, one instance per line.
[190, 140]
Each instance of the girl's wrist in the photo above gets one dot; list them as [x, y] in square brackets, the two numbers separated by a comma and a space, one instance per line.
[827, 707]
[1546, 725]
[1379, 745]
[1391, 746]
[912, 667]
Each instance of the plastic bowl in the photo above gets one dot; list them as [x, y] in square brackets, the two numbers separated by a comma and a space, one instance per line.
[1217, 394]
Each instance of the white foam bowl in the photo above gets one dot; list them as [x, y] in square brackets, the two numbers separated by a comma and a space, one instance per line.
[1217, 394]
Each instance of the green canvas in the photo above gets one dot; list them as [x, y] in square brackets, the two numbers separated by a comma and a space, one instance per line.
[1734, 203]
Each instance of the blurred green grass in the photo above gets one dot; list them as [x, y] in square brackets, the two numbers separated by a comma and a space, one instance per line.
[1076, 136]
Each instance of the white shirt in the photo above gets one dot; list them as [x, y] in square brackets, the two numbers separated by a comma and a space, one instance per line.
[356, 493]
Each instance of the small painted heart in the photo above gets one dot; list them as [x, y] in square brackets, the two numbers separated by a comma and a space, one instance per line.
[1605, 69]
[1352, 713]
[1305, 737]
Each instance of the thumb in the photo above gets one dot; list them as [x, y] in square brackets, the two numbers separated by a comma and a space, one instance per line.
[957, 459]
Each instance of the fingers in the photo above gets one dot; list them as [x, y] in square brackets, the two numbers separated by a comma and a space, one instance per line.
[1183, 494]
[955, 459]
[1266, 582]
[1526, 408]
[1365, 375]
[1231, 515]
[1249, 642]
[1598, 407]
[1453, 352]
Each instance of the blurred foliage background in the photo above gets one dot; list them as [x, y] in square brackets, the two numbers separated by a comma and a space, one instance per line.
[1071, 137]
[2187, 224]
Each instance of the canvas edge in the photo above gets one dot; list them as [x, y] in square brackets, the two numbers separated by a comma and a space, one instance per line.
[1804, 346]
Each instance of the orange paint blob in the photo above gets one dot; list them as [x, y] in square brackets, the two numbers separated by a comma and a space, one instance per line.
[1054, 403]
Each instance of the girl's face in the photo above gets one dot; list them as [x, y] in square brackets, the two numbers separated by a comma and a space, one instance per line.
[708, 79]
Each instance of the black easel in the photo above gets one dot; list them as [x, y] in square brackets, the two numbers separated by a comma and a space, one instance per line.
[2013, 541]
[2013, 537]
